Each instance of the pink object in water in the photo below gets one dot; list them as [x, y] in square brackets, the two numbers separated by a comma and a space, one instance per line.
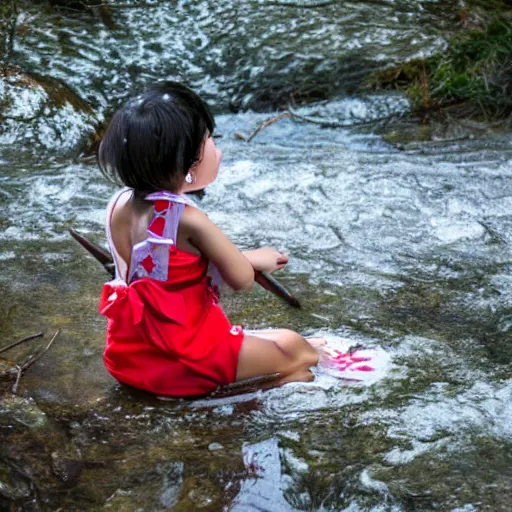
[345, 363]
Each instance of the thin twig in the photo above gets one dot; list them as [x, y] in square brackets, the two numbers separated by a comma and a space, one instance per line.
[32, 359]
[18, 378]
[262, 126]
[324, 123]
[246, 385]
[27, 338]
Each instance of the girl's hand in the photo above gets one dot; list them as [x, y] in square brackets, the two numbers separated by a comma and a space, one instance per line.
[266, 259]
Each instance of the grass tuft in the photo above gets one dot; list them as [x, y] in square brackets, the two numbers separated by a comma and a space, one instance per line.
[475, 69]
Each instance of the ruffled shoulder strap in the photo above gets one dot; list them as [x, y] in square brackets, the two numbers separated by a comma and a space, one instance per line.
[150, 258]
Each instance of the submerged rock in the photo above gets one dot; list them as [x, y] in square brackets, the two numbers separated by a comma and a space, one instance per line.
[20, 414]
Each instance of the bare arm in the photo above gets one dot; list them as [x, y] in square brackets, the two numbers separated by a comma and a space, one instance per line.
[266, 259]
[203, 234]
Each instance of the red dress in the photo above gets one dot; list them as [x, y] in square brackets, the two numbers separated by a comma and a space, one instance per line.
[166, 332]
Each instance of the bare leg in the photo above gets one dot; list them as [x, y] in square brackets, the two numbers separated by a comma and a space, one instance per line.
[299, 376]
[273, 334]
[280, 350]
[316, 342]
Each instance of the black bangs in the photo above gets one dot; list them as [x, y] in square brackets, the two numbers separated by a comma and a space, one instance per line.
[152, 142]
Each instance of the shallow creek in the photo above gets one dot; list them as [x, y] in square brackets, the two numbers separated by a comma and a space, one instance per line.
[407, 251]
[404, 251]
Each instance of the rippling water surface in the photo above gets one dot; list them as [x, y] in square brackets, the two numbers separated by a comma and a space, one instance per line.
[405, 252]
[236, 53]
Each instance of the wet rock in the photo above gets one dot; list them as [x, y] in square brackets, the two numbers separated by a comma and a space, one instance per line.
[67, 470]
[26, 434]
[172, 483]
[39, 113]
[18, 414]
[199, 493]
[13, 486]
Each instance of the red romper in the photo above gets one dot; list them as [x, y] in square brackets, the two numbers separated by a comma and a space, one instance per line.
[166, 332]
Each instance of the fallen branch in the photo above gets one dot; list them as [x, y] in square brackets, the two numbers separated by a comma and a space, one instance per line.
[324, 123]
[93, 5]
[263, 125]
[30, 361]
[246, 385]
[16, 343]
[18, 378]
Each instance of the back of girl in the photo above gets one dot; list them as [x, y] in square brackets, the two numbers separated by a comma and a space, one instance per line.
[167, 333]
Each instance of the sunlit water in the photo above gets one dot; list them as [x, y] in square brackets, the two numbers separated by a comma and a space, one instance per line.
[405, 253]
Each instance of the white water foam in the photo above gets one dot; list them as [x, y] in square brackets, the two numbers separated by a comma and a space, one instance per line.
[379, 360]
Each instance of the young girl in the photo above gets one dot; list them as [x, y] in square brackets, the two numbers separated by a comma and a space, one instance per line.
[166, 332]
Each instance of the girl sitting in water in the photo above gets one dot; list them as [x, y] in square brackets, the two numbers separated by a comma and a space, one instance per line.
[166, 332]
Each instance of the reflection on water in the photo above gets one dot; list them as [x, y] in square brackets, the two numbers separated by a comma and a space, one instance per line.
[262, 490]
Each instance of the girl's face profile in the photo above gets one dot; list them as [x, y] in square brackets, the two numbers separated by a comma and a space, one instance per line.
[206, 170]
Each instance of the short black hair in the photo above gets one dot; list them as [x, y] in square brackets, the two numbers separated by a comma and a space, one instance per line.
[155, 138]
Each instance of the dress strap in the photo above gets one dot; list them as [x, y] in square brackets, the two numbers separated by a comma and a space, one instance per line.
[182, 200]
[150, 258]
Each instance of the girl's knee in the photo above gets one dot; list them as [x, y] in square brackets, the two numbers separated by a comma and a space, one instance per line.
[298, 348]
[291, 341]
[311, 357]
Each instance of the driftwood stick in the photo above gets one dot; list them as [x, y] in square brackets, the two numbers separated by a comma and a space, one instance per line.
[271, 284]
[26, 338]
[264, 279]
[101, 254]
[246, 385]
[93, 5]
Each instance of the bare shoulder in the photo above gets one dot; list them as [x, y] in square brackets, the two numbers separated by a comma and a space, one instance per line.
[120, 228]
[193, 220]
[120, 215]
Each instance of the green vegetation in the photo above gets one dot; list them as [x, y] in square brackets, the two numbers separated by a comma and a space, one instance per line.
[475, 71]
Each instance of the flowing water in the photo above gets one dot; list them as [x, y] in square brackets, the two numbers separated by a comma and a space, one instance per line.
[403, 251]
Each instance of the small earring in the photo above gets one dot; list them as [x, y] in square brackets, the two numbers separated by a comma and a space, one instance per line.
[189, 178]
